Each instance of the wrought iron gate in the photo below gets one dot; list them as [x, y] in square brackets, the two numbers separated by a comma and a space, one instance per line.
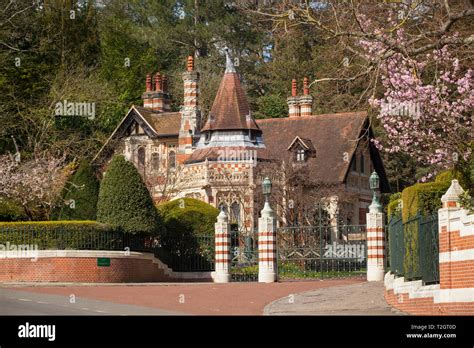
[244, 251]
[321, 251]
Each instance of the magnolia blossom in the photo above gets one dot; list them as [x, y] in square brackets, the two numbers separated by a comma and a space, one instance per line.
[426, 108]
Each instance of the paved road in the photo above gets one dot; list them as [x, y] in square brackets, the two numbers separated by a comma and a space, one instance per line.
[354, 299]
[14, 302]
[158, 298]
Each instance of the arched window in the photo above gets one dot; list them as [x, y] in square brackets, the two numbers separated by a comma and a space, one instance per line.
[172, 159]
[141, 157]
[155, 161]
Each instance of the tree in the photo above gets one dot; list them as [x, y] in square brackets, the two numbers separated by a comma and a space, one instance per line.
[80, 199]
[34, 184]
[124, 201]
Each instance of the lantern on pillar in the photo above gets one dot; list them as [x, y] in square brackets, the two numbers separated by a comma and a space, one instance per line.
[374, 184]
[267, 188]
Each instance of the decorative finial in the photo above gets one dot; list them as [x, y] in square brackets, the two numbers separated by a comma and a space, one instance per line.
[229, 66]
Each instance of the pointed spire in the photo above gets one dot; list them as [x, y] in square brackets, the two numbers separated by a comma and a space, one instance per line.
[229, 66]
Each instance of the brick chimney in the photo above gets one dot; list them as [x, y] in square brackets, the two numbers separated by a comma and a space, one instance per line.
[158, 95]
[148, 95]
[306, 100]
[293, 101]
[190, 114]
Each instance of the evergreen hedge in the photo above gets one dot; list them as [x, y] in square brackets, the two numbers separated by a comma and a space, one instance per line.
[188, 226]
[124, 200]
[422, 199]
[81, 194]
[60, 235]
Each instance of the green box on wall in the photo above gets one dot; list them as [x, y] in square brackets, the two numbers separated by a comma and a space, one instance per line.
[103, 262]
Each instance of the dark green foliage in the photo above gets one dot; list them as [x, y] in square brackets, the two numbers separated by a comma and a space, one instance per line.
[124, 200]
[83, 190]
[60, 235]
[271, 106]
[11, 211]
[187, 222]
[394, 205]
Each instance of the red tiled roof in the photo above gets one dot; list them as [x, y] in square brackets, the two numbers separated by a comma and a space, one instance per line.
[230, 108]
[333, 136]
[163, 123]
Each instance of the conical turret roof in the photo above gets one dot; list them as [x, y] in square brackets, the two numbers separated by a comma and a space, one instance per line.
[230, 109]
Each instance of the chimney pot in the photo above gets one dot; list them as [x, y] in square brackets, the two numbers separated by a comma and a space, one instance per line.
[148, 83]
[158, 82]
[293, 88]
[305, 86]
[190, 63]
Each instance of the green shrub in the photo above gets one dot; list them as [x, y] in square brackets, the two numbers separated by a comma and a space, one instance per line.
[60, 235]
[394, 205]
[423, 198]
[81, 194]
[124, 200]
[188, 224]
[10, 211]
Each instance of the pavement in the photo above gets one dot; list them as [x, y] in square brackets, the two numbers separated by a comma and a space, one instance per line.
[364, 298]
[247, 298]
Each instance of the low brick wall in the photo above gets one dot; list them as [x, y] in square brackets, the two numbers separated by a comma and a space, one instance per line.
[426, 305]
[82, 266]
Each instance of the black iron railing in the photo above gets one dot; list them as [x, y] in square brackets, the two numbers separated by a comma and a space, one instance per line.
[414, 248]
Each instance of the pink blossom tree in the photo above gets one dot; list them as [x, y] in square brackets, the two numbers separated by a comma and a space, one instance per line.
[35, 184]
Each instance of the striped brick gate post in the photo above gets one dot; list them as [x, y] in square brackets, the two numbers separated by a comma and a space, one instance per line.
[222, 249]
[267, 258]
[456, 248]
[375, 244]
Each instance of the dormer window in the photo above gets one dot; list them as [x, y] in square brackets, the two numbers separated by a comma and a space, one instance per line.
[207, 137]
[302, 149]
[300, 155]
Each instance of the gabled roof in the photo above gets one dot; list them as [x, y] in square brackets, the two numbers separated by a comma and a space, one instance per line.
[306, 143]
[155, 125]
[334, 136]
[230, 109]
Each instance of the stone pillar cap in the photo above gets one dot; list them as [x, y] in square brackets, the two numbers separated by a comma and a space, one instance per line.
[453, 193]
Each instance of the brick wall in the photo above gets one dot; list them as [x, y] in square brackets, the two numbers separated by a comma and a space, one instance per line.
[77, 266]
[426, 305]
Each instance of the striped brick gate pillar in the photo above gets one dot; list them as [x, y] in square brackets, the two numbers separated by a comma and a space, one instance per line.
[456, 248]
[267, 258]
[222, 249]
[375, 244]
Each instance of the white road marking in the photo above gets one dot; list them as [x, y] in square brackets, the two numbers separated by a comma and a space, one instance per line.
[42, 302]
[96, 310]
[24, 299]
